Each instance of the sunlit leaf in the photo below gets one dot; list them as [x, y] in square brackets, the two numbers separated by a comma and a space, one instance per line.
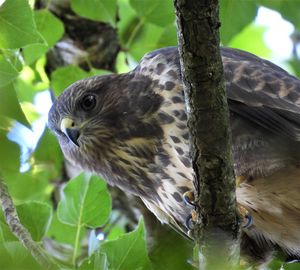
[234, 17]
[17, 25]
[290, 10]
[10, 106]
[251, 40]
[157, 12]
[147, 41]
[7, 72]
[98, 10]
[36, 217]
[30, 185]
[85, 202]
[10, 154]
[63, 233]
[129, 251]
[62, 77]
[48, 155]
[51, 29]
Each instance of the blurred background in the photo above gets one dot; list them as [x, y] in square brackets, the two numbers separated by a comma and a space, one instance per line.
[47, 45]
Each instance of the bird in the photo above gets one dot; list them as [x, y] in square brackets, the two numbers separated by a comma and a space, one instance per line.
[131, 129]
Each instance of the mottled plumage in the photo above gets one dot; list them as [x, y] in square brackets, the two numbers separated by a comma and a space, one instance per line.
[131, 129]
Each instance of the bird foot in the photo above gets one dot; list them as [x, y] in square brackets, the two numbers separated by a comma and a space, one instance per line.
[189, 198]
[239, 180]
[191, 220]
[247, 219]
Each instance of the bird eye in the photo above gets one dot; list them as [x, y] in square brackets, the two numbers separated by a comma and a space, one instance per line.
[88, 103]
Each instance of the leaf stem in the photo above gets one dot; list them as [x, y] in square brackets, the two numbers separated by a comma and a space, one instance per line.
[135, 31]
[76, 244]
[13, 222]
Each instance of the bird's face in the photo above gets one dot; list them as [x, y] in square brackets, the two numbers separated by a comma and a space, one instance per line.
[95, 116]
[86, 117]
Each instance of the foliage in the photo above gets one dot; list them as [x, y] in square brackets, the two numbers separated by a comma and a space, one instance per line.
[26, 36]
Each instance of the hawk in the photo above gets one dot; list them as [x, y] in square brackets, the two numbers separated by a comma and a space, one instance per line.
[132, 129]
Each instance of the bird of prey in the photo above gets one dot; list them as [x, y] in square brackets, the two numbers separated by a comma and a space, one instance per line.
[132, 129]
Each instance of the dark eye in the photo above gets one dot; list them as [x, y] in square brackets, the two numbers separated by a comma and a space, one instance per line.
[88, 103]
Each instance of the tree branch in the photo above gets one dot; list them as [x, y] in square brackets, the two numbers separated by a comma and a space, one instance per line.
[202, 70]
[13, 221]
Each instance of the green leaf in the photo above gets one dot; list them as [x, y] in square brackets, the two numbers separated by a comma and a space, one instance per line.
[31, 185]
[157, 12]
[85, 202]
[251, 40]
[10, 106]
[7, 71]
[129, 251]
[51, 29]
[9, 162]
[289, 10]
[146, 41]
[17, 25]
[62, 77]
[14, 256]
[98, 10]
[170, 250]
[234, 17]
[96, 262]
[168, 37]
[48, 155]
[36, 217]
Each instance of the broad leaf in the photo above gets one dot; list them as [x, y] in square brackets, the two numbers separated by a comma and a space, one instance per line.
[13, 255]
[10, 154]
[85, 202]
[36, 217]
[7, 72]
[234, 17]
[48, 155]
[96, 262]
[63, 233]
[51, 29]
[17, 25]
[290, 10]
[129, 251]
[251, 40]
[63, 77]
[98, 10]
[10, 106]
[157, 12]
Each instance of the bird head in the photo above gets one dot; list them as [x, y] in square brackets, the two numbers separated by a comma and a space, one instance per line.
[95, 116]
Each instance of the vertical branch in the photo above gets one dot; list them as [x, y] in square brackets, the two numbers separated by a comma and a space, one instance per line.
[13, 221]
[198, 35]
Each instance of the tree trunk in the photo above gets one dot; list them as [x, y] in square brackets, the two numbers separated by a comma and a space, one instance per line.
[217, 231]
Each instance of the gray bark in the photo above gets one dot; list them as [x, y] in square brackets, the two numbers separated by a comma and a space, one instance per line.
[218, 228]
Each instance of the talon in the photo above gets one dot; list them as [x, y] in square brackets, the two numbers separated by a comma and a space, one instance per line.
[239, 180]
[247, 217]
[189, 198]
[191, 220]
[249, 221]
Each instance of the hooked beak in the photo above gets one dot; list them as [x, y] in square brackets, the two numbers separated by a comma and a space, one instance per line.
[67, 126]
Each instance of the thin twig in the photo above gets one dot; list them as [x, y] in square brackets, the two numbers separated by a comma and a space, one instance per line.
[13, 221]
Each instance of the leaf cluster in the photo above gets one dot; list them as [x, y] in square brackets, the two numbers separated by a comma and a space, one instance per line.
[73, 231]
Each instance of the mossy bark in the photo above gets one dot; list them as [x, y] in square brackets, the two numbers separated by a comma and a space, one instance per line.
[217, 231]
